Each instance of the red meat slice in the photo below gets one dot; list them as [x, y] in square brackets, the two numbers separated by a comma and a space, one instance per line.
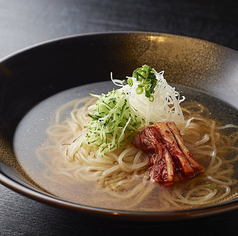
[168, 154]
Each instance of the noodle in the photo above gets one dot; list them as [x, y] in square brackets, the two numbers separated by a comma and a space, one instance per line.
[122, 174]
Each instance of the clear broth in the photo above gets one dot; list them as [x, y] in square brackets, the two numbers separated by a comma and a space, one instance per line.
[30, 134]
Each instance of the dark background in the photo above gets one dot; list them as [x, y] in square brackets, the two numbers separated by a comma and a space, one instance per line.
[27, 22]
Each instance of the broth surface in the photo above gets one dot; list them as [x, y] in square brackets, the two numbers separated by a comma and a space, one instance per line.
[30, 134]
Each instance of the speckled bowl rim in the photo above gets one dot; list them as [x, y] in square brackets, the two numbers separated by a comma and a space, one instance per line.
[108, 213]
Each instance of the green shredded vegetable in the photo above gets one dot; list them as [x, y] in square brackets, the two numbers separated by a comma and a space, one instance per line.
[112, 122]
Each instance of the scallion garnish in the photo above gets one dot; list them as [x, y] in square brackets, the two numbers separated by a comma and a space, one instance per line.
[146, 76]
[213, 186]
[130, 82]
[139, 90]
[151, 98]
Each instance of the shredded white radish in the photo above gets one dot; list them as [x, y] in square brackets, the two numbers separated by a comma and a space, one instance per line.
[164, 108]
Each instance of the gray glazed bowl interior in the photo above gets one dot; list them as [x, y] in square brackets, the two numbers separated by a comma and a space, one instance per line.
[34, 74]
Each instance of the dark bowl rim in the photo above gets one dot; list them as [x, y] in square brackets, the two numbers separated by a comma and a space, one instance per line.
[68, 37]
[119, 214]
[110, 213]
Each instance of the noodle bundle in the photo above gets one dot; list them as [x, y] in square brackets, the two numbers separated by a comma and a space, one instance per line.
[93, 145]
[122, 173]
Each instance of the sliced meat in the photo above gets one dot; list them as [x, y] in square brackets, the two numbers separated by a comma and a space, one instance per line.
[169, 157]
[167, 137]
[176, 132]
[161, 164]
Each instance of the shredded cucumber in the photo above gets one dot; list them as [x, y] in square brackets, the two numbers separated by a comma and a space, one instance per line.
[113, 121]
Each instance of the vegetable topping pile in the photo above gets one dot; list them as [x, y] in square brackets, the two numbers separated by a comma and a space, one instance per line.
[144, 99]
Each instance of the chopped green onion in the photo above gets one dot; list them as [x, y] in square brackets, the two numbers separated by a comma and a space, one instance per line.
[130, 82]
[212, 186]
[139, 90]
[154, 83]
[151, 98]
[147, 91]
[146, 77]
[147, 81]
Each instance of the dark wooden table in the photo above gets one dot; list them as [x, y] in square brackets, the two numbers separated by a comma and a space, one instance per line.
[27, 22]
